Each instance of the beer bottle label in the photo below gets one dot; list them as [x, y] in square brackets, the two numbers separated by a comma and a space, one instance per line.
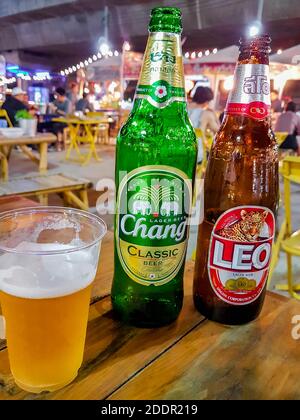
[153, 206]
[250, 95]
[240, 253]
[161, 81]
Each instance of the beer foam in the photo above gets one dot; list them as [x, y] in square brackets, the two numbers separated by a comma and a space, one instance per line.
[47, 276]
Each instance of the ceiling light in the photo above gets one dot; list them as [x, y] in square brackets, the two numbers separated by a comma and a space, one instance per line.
[254, 30]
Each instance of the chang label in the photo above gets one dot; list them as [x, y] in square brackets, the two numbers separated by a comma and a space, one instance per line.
[153, 206]
[161, 81]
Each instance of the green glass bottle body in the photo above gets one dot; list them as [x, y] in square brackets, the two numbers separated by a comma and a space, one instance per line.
[155, 165]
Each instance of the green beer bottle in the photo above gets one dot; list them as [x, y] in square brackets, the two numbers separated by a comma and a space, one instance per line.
[155, 166]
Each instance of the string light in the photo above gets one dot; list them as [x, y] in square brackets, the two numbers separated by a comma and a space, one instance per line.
[127, 46]
[279, 51]
[200, 54]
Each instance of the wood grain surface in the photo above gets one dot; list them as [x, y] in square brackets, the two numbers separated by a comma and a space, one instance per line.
[256, 361]
[39, 138]
[190, 359]
[15, 202]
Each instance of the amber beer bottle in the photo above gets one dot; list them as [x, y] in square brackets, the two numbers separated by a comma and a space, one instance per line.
[240, 197]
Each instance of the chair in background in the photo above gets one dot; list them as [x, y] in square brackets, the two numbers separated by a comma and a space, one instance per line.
[287, 240]
[100, 131]
[3, 114]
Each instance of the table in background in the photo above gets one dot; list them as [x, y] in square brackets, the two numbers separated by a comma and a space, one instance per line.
[191, 359]
[40, 140]
[83, 131]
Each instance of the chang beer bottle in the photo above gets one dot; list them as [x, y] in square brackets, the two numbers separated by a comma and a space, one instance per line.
[155, 166]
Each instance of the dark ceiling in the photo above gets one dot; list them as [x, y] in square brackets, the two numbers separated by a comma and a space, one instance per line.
[58, 33]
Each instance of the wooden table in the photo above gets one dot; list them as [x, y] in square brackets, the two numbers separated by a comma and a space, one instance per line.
[190, 359]
[41, 140]
[83, 131]
[73, 190]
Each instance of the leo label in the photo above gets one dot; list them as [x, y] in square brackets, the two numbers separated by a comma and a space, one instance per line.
[240, 253]
[161, 81]
[250, 95]
[153, 206]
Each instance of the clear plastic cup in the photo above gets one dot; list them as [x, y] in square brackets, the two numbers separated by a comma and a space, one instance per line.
[48, 261]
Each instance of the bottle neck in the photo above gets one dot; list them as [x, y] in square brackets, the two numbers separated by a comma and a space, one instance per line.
[250, 95]
[161, 80]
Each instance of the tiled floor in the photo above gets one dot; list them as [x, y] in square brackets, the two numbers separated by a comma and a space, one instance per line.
[96, 171]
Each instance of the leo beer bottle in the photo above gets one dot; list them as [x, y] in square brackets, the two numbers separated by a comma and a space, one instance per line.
[240, 197]
[155, 166]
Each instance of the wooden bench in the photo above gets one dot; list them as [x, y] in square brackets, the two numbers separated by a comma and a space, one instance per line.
[71, 189]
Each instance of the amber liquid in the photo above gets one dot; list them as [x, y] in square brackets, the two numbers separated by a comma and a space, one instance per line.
[242, 170]
[45, 338]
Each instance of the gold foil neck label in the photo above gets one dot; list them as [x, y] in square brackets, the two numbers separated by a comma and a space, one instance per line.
[162, 78]
[163, 60]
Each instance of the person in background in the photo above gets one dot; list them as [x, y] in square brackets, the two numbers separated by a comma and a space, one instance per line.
[62, 105]
[201, 115]
[14, 103]
[84, 104]
[289, 122]
[72, 95]
[276, 105]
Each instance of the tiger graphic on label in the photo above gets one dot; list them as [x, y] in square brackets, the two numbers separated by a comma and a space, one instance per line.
[247, 229]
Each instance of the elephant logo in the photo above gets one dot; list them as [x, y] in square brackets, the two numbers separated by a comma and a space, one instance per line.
[169, 207]
[157, 200]
[142, 207]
